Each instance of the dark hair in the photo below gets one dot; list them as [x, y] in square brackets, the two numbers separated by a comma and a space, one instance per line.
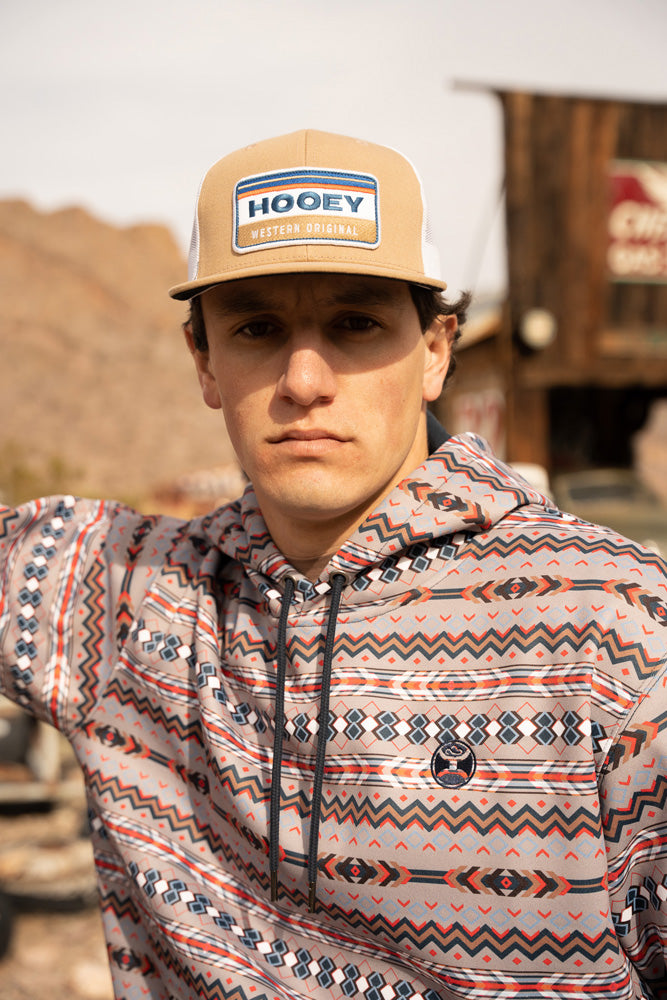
[429, 303]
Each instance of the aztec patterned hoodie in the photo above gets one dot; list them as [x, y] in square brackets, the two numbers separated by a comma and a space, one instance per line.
[445, 759]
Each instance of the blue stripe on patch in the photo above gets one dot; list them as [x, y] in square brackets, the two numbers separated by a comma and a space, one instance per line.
[290, 178]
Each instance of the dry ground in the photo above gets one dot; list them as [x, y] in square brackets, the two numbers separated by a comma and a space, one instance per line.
[61, 956]
[57, 949]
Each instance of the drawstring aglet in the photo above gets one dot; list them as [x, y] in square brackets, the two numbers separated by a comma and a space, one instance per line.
[274, 886]
[311, 897]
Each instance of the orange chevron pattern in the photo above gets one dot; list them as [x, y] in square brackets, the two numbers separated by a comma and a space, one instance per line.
[635, 741]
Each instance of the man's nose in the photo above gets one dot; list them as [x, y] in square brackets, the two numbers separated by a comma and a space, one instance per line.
[307, 376]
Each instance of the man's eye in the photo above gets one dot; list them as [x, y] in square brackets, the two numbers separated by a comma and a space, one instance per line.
[357, 323]
[256, 329]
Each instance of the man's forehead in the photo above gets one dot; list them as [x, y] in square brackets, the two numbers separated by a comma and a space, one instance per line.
[280, 291]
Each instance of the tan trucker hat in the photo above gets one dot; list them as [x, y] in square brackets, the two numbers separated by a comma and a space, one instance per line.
[310, 201]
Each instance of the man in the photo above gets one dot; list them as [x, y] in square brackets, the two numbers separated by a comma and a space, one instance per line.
[388, 726]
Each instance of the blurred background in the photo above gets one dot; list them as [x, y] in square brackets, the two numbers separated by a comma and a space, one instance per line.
[540, 132]
[517, 116]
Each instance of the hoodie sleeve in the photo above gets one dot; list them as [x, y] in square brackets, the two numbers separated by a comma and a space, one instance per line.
[70, 575]
[634, 817]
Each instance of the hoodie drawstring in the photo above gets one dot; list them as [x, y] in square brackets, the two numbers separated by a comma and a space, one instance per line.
[337, 584]
[274, 818]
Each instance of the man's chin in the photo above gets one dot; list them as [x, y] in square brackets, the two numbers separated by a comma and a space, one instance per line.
[318, 505]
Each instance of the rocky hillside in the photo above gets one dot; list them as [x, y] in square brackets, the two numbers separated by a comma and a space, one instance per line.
[99, 395]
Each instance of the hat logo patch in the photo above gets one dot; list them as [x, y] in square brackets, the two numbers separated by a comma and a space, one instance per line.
[453, 764]
[306, 205]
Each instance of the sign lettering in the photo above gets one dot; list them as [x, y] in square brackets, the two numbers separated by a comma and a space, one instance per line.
[637, 221]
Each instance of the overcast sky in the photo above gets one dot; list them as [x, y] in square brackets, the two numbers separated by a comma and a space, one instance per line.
[120, 107]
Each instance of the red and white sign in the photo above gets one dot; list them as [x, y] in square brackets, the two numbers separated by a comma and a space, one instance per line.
[637, 223]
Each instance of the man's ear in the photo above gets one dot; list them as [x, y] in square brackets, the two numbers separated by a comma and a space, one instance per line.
[438, 343]
[207, 383]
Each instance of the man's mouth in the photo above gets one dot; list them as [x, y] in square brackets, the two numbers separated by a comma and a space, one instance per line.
[307, 434]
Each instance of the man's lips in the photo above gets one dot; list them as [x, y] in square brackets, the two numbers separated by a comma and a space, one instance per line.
[307, 434]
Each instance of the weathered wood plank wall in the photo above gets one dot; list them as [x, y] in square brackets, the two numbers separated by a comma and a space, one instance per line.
[557, 154]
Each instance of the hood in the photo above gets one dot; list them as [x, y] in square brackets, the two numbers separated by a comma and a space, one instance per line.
[461, 489]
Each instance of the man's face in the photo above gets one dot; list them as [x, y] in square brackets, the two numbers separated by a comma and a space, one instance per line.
[322, 380]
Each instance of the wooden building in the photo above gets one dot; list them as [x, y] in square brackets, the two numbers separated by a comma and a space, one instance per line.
[578, 352]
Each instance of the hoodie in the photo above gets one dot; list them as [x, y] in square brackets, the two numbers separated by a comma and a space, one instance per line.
[436, 772]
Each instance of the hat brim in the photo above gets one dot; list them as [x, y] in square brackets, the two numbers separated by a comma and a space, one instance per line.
[189, 289]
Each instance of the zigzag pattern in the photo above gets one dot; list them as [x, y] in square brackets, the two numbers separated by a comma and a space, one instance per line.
[475, 465]
[183, 560]
[533, 884]
[445, 646]
[376, 814]
[526, 544]
[629, 652]
[122, 907]
[483, 821]
[243, 644]
[531, 984]
[198, 832]
[475, 942]
[91, 625]
[188, 823]
[238, 783]
[616, 820]
[7, 516]
[178, 822]
[189, 729]
[404, 534]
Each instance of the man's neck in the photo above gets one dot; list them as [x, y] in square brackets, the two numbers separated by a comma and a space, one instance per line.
[309, 545]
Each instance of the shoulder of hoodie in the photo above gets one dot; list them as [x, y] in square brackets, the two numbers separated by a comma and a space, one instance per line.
[612, 589]
[160, 536]
[556, 538]
[542, 538]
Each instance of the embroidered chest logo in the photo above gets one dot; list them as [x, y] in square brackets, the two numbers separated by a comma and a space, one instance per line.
[453, 764]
